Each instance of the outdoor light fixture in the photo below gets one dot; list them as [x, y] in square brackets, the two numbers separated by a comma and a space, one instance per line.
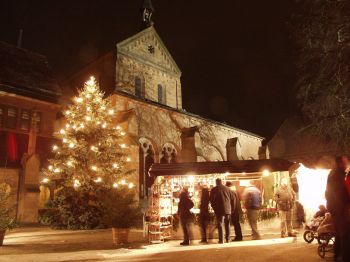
[266, 173]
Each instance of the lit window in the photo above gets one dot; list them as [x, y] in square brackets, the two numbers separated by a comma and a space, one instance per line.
[25, 120]
[11, 118]
[37, 121]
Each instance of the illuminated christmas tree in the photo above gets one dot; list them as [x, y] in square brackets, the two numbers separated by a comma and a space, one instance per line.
[92, 149]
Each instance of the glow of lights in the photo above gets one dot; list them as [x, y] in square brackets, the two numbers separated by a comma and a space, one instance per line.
[128, 159]
[50, 167]
[103, 107]
[88, 96]
[118, 127]
[266, 173]
[45, 180]
[227, 173]
[312, 186]
[111, 112]
[104, 125]
[67, 125]
[123, 182]
[67, 112]
[74, 127]
[57, 170]
[131, 185]
[79, 99]
[88, 118]
[191, 179]
[82, 125]
[94, 168]
[115, 185]
[76, 183]
[123, 146]
[71, 145]
[122, 133]
[64, 140]
[98, 122]
[115, 165]
[55, 147]
[244, 173]
[93, 148]
[69, 163]
[244, 183]
[98, 180]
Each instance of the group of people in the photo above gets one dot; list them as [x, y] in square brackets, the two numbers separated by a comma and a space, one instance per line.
[227, 208]
[338, 204]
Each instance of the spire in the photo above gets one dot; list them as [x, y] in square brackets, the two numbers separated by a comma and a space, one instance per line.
[147, 11]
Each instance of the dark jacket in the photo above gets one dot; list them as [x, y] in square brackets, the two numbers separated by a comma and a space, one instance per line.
[185, 205]
[336, 193]
[236, 207]
[221, 198]
[204, 204]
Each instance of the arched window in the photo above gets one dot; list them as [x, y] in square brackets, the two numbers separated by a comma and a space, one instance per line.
[161, 94]
[138, 87]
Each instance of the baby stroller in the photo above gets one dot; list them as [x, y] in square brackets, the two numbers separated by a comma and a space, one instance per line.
[311, 230]
[326, 236]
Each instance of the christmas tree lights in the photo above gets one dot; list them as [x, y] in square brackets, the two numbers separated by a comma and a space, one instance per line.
[92, 150]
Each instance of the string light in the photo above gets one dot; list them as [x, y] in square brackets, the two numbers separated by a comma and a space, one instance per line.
[71, 145]
[123, 146]
[115, 165]
[115, 185]
[111, 112]
[131, 185]
[118, 127]
[79, 99]
[67, 125]
[64, 140]
[45, 180]
[67, 112]
[69, 163]
[88, 118]
[76, 183]
[82, 125]
[103, 107]
[123, 182]
[57, 170]
[122, 133]
[98, 180]
[55, 147]
[62, 131]
[94, 168]
[128, 159]
[104, 125]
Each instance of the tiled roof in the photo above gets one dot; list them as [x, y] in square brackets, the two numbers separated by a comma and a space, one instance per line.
[26, 73]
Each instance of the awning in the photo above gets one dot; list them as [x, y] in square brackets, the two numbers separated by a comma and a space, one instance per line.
[220, 167]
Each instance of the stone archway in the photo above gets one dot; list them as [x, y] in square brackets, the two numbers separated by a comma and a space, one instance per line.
[168, 154]
[147, 158]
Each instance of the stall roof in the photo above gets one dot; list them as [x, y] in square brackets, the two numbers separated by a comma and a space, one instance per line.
[220, 167]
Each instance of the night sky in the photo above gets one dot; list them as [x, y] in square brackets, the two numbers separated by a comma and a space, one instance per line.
[235, 55]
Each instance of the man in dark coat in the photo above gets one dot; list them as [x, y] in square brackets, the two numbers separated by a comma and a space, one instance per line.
[338, 202]
[185, 205]
[236, 210]
[221, 199]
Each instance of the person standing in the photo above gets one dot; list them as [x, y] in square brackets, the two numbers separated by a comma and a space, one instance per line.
[285, 198]
[338, 202]
[235, 213]
[185, 205]
[204, 213]
[252, 199]
[220, 200]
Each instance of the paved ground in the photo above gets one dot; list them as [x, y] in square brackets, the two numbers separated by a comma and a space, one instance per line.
[43, 244]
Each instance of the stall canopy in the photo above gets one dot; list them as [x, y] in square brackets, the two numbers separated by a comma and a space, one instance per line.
[242, 167]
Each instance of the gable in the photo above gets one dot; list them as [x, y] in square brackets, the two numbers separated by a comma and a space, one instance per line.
[148, 48]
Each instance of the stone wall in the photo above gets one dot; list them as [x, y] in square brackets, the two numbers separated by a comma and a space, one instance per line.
[11, 176]
[128, 69]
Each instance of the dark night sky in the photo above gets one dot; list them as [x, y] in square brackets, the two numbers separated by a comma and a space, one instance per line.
[235, 55]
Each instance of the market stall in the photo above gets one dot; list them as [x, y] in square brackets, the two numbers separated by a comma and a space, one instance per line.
[169, 179]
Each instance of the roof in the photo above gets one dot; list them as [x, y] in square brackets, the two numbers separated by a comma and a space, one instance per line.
[220, 167]
[26, 73]
[184, 112]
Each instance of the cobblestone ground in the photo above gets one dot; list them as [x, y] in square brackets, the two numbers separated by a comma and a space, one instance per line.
[43, 244]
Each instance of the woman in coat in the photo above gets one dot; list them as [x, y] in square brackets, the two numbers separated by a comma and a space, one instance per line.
[184, 207]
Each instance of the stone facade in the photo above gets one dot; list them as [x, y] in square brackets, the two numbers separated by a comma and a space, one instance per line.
[147, 96]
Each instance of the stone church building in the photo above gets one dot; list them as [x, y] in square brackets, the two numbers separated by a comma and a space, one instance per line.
[143, 82]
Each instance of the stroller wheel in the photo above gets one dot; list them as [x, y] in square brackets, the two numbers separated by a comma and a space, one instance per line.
[308, 236]
[321, 250]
